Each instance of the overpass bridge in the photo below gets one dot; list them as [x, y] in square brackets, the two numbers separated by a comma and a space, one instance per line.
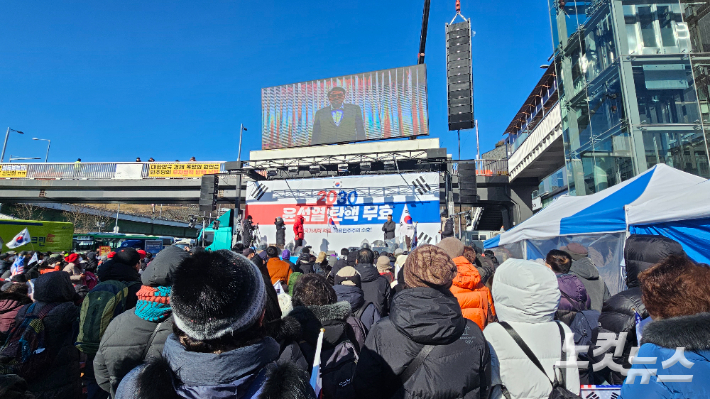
[115, 182]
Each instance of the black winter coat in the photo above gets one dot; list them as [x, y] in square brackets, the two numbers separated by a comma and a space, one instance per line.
[640, 253]
[124, 346]
[280, 232]
[389, 227]
[376, 287]
[62, 378]
[458, 366]
[304, 264]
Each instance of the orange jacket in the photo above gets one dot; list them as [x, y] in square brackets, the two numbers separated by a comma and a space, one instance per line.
[279, 271]
[474, 298]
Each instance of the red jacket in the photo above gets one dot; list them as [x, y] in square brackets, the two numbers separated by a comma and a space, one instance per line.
[298, 228]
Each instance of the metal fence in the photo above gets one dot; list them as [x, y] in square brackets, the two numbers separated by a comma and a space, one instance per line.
[491, 167]
[84, 170]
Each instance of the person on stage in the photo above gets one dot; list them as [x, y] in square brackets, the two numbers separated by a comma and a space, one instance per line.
[280, 232]
[247, 228]
[407, 229]
[389, 227]
[298, 231]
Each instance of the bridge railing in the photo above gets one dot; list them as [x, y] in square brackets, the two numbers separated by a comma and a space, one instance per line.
[109, 170]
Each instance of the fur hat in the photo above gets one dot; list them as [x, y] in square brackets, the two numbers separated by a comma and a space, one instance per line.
[383, 264]
[348, 276]
[452, 246]
[429, 266]
[216, 293]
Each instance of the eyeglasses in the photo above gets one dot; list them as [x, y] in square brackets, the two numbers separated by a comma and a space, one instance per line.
[336, 95]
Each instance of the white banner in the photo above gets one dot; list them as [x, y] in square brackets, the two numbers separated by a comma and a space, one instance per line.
[341, 212]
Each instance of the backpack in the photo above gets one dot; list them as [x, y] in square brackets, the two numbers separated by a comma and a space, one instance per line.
[24, 351]
[585, 324]
[106, 301]
[338, 371]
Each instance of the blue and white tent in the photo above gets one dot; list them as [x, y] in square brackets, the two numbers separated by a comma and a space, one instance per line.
[683, 216]
[597, 221]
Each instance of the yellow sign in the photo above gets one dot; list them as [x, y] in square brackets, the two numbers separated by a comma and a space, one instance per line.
[104, 250]
[13, 170]
[189, 169]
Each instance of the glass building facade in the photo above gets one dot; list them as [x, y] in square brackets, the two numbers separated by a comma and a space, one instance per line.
[633, 79]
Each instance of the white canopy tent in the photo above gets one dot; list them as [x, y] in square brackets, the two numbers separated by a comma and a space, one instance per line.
[597, 221]
[683, 216]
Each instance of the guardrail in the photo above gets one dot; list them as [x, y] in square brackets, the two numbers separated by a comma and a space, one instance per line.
[109, 170]
[491, 167]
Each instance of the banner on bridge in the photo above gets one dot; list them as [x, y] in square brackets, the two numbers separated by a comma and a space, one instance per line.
[341, 212]
[13, 170]
[176, 170]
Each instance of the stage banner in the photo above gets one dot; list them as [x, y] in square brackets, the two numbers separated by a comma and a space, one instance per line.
[341, 212]
[182, 170]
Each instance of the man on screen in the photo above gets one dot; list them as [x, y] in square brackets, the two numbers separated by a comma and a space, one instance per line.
[338, 122]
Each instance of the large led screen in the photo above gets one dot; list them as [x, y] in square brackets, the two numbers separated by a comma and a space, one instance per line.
[367, 106]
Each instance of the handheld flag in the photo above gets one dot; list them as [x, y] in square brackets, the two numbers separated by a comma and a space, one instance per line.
[333, 226]
[316, 381]
[34, 259]
[18, 266]
[19, 240]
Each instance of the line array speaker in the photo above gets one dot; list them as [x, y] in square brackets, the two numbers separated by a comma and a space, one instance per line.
[459, 75]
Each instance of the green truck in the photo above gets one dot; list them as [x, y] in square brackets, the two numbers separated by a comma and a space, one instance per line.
[45, 236]
[221, 237]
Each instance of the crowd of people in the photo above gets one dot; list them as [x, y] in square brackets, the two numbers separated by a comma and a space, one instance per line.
[441, 321]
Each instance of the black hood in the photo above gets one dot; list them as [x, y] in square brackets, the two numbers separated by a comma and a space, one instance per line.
[584, 268]
[113, 270]
[428, 316]
[353, 295]
[689, 332]
[367, 272]
[643, 251]
[160, 271]
[53, 287]
[352, 258]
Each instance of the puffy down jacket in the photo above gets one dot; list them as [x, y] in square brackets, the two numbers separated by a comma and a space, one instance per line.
[473, 297]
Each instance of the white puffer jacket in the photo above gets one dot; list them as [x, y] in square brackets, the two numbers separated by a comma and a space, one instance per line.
[526, 296]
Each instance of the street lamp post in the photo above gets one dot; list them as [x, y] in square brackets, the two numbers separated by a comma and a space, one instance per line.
[7, 136]
[238, 187]
[49, 142]
[21, 159]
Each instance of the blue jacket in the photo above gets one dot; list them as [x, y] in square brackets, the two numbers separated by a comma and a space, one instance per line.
[660, 338]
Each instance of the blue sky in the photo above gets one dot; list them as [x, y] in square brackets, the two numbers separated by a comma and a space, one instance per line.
[109, 81]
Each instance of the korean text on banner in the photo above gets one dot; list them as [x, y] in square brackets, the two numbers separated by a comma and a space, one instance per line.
[13, 170]
[182, 170]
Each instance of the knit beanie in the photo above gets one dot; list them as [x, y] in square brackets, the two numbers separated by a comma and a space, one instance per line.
[286, 254]
[429, 266]
[128, 256]
[452, 246]
[347, 276]
[383, 264]
[575, 250]
[217, 293]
